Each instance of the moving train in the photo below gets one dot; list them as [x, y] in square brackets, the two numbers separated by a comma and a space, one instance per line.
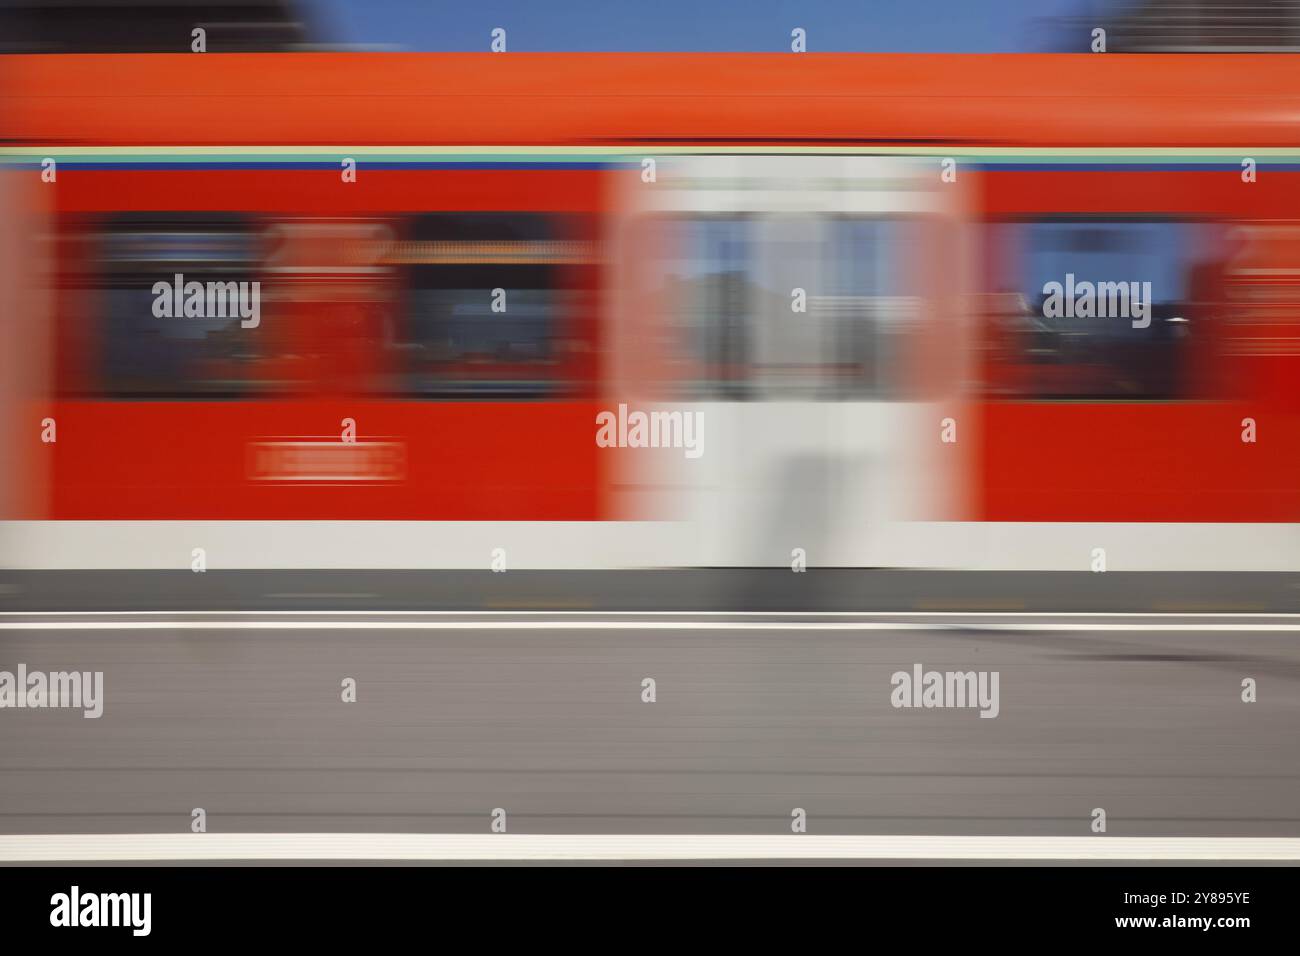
[382, 310]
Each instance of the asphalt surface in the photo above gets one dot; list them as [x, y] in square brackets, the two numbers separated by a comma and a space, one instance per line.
[542, 715]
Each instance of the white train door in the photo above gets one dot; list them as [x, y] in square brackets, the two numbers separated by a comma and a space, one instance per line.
[789, 301]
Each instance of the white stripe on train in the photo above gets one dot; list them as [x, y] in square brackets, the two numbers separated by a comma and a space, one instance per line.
[593, 545]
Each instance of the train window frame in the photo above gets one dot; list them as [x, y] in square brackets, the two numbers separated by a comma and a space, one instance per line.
[560, 308]
[99, 340]
[707, 387]
[986, 317]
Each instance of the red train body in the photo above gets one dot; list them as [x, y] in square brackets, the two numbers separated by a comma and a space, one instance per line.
[531, 156]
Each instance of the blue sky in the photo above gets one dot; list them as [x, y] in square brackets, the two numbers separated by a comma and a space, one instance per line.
[939, 26]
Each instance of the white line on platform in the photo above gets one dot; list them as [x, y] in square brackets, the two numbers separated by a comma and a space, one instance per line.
[307, 612]
[609, 625]
[28, 848]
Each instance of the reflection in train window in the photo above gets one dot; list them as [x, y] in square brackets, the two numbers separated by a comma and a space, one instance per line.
[784, 307]
[1101, 309]
[146, 355]
[488, 308]
[870, 304]
[705, 287]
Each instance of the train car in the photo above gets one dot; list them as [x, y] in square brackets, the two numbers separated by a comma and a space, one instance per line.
[612, 310]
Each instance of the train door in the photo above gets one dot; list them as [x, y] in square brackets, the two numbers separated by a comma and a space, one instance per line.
[787, 302]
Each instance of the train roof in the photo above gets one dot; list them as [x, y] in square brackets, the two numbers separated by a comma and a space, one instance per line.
[616, 99]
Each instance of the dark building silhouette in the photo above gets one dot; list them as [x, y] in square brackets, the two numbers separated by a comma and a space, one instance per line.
[1183, 26]
[162, 26]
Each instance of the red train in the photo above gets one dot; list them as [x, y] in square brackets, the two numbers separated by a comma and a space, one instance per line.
[840, 262]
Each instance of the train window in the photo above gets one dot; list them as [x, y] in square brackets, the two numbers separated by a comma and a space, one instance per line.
[489, 306]
[706, 284]
[772, 307]
[168, 343]
[869, 304]
[1099, 309]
